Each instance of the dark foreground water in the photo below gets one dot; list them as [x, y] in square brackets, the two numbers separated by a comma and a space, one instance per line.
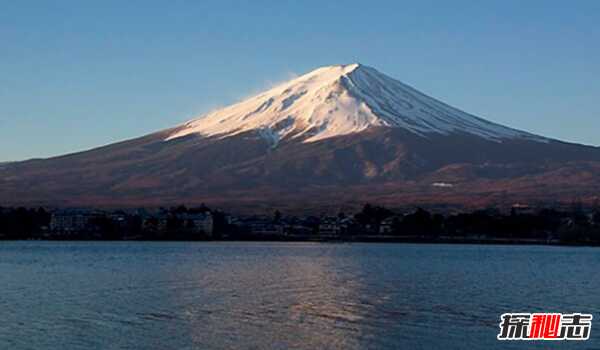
[59, 295]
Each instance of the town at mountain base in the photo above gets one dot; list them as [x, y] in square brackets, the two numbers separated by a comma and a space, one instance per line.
[521, 225]
[332, 139]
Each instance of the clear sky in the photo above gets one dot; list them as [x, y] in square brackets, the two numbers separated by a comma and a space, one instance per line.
[79, 74]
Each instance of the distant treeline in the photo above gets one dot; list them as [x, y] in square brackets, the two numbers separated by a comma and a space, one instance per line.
[570, 226]
[522, 224]
[22, 223]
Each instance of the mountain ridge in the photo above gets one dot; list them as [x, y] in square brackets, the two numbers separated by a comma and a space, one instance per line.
[397, 159]
[339, 100]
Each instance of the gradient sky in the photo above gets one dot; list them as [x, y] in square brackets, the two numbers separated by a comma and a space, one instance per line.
[79, 74]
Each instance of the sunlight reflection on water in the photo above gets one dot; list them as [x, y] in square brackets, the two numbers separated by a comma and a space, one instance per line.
[277, 295]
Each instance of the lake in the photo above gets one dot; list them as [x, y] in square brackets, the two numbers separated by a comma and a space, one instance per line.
[229, 295]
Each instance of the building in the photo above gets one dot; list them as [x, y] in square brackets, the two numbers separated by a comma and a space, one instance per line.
[266, 229]
[335, 226]
[199, 222]
[329, 226]
[387, 225]
[67, 221]
[119, 219]
[262, 226]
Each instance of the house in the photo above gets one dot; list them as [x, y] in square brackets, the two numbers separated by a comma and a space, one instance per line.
[201, 223]
[299, 230]
[266, 229]
[329, 227]
[119, 219]
[198, 222]
[150, 224]
[335, 226]
[387, 225]
[67, 221]
[262, 226]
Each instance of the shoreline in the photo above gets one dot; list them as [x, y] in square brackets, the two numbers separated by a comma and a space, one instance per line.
[331, 239]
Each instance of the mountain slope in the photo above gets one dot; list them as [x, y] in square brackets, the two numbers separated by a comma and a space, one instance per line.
[340, 100]
[337, 136]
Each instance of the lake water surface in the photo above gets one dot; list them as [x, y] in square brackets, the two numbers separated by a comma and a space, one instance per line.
[156, 295]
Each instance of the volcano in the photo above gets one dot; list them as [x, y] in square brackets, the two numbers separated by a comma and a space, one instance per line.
[336, 137]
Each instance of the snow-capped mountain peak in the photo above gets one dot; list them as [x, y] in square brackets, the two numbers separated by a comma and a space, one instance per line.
[340, 100]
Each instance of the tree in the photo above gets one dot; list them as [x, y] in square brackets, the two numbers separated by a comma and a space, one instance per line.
[372, 215]
[277, 216]
[419, 222]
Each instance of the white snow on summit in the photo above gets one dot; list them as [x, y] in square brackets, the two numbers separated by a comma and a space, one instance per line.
[341, 100]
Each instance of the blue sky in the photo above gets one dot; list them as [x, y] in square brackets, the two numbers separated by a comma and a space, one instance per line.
[74, 75]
